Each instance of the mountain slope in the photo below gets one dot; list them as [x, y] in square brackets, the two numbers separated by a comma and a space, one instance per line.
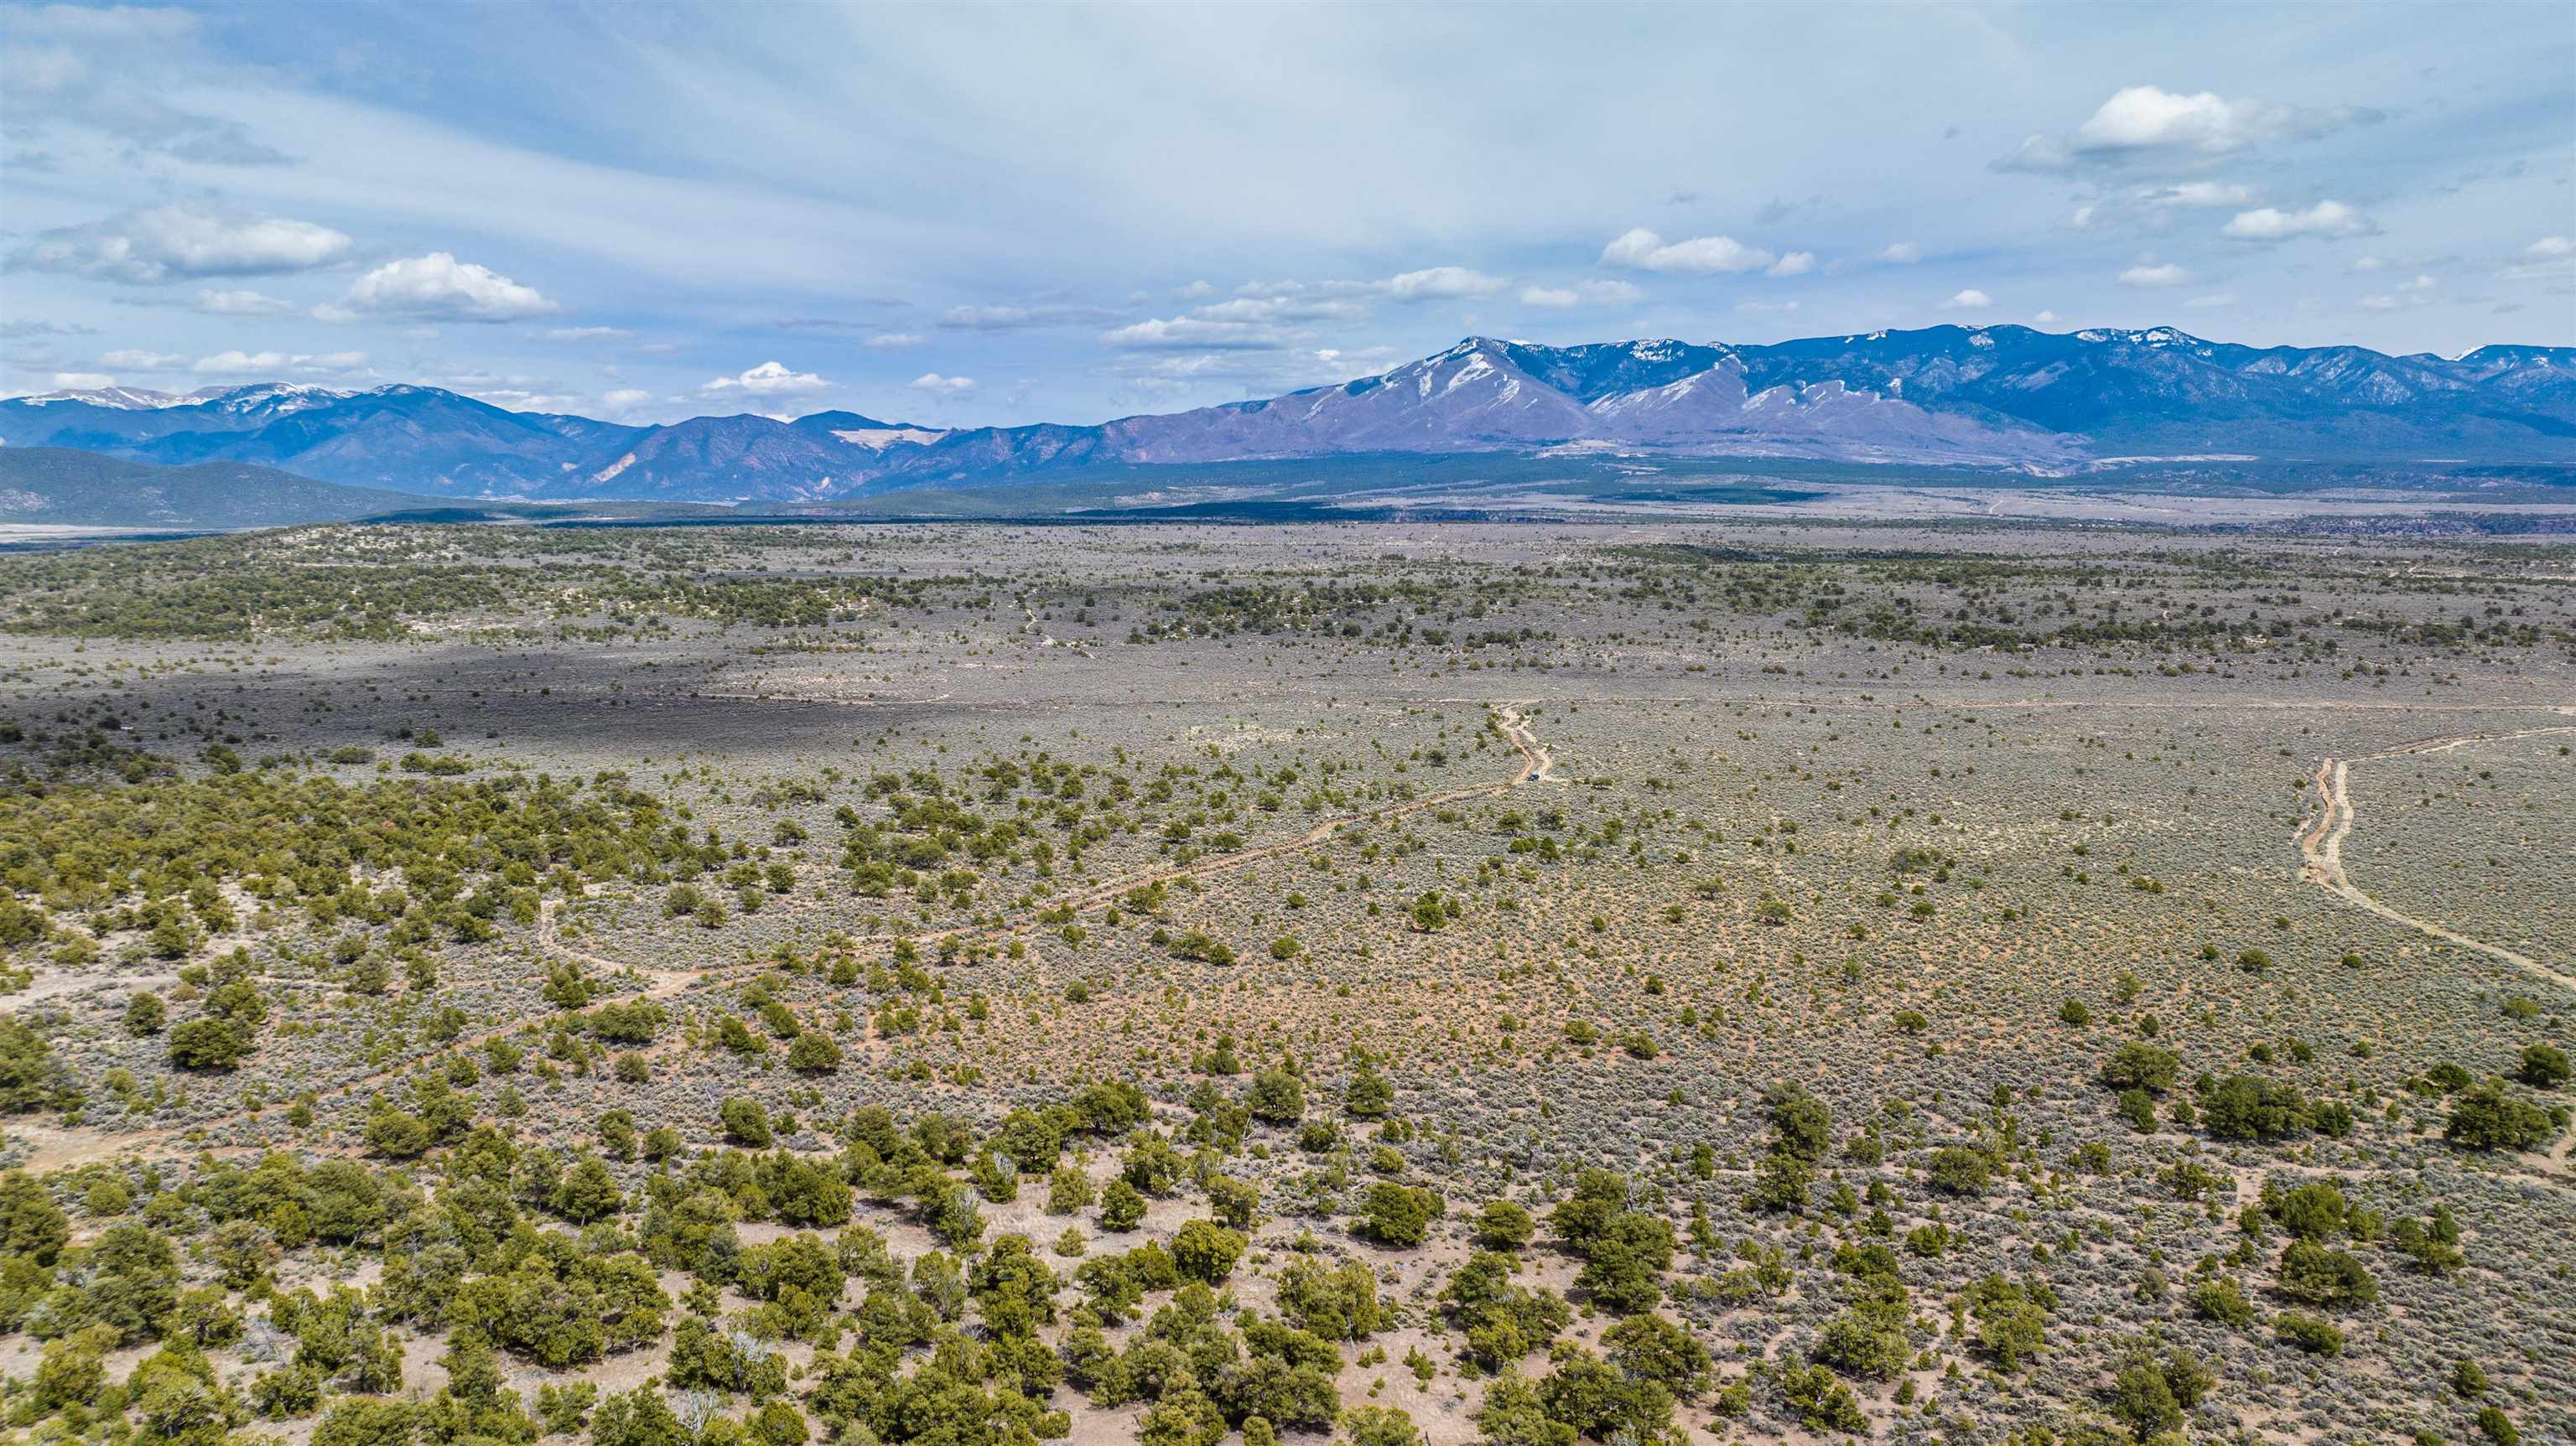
[745, 456]
[61, 487]
[2163, 389]
[1998, 397]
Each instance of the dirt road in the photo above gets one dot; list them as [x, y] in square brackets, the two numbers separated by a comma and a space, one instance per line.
[2321, 845]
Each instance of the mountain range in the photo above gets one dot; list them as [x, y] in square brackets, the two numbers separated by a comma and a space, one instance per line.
[62, 487]
[1999, 397]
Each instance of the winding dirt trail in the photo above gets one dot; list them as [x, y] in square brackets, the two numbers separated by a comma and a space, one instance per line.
[53, 1147]
[2321, 845]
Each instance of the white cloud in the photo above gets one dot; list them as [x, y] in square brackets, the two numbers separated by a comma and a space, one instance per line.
[2551, 258]
[1191, 332]
[2269, 223]
[2082, 220]
[1581, 293]
[2151, 274]
[1017, 318]
[82, 381]
[116, 70]
[242, 363]
[2420, 283]
[227, 363]
[1264, 310]
[892, 340]
[1367, 356]
[2211, 302]
[1441, 283]
[241, 303]
[1901, 253]
[166, 243]
[2147, 124]
[2367, 263]
[440, 285]
[1253, 318]
[140, 361]
[627, 399]
[2201, 194]
[945, 386]
[1970, 299]
[519, 399]
[767, 379]
[2141, 117]
[587, 333]
[1195, 291]
[2045, 318]
[1796, 263]
[1766, 306]
[1643, 250]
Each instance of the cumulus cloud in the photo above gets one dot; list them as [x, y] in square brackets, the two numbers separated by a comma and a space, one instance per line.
[438, 285]
[170, 243]
[892, 340]
[1796, 263]
[1901, 253]
[2139, 117]
[2045, 318]
[140, 361]
[1195, 291]
[1968, 299]
[2549, 246]
[2270, 223]
[2149, 125]
[767, 379]
[242, 363]
[2154, 274]
[627, 399]
[82, 381]
[1582, 293]
[1643, 250]
[943, 386]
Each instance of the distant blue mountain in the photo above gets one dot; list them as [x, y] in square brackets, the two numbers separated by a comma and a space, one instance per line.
[1997, 397]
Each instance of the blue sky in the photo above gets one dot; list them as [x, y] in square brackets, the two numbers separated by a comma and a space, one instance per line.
[964, 214]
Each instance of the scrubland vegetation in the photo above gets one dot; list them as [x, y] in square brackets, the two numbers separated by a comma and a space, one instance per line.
[755, 986]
